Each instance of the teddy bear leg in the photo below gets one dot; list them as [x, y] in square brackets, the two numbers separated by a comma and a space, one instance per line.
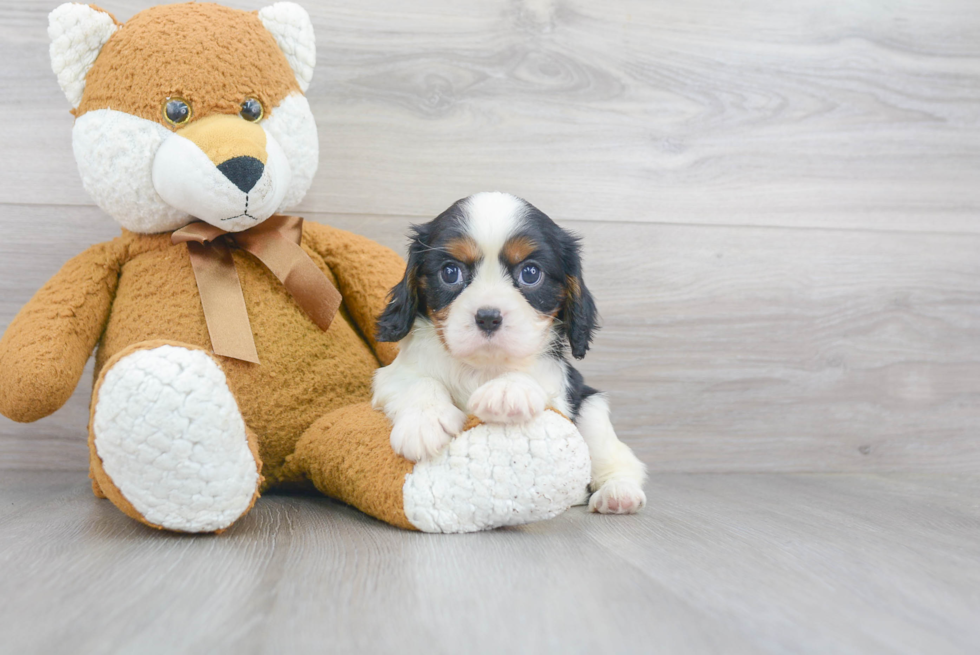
[347, 455]
[167, 442]
[96, 489]
[488, 476]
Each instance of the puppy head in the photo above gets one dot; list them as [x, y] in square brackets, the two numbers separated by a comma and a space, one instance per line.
[189, 111]
[500, 281]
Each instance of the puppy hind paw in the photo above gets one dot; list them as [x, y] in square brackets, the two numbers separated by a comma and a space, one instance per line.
[618, 497]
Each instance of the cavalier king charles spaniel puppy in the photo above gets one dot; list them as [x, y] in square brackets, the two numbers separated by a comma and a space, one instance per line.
[491, 303]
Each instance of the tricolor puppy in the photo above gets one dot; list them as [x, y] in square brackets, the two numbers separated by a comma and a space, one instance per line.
[491, 302]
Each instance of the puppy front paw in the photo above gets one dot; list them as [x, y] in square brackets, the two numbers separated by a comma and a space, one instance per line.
[618, 497]
[420, 434]
[508, 399]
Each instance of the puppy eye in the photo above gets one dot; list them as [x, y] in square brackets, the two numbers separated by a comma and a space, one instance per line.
[530, 276]
[451, 274]
[176, 111]
[251, 110]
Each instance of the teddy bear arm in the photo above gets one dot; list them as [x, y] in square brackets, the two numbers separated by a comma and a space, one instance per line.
[365, 271]
[44, 349]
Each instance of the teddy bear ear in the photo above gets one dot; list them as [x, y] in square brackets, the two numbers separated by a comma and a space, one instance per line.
[293, 31]
[77, 34]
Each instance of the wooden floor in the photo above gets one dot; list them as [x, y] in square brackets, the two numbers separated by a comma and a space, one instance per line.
[780, 203]
[719, 563]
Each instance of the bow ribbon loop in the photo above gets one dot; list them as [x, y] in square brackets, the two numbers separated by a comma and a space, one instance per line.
[275, 243]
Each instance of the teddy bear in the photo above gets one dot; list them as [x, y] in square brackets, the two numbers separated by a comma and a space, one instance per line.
[234, 344]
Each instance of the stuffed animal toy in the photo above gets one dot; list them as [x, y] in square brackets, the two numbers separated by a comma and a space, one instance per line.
[235, 345]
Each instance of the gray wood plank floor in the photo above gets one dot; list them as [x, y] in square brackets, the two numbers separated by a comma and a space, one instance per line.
[719, 563]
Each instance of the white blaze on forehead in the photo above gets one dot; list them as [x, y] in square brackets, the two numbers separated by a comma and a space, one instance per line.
[492, 218]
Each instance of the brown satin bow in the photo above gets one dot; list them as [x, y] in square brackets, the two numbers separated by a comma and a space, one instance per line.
[275, 243]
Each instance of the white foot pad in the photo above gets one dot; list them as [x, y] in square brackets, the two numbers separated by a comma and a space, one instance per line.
[169, 434]
[496, 475]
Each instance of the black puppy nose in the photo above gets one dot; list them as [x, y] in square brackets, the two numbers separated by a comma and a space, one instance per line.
[488, 319]
[244, 172]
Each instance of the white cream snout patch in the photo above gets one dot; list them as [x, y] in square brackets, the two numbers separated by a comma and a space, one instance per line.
[523, 333]
[187, 179]
[152, 180]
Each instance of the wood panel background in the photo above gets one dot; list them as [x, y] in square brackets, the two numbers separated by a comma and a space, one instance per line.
[780, 202]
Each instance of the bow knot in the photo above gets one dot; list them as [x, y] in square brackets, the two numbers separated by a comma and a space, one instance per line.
[275, 243]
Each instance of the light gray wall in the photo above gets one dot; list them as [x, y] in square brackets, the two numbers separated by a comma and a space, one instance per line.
[779, 202]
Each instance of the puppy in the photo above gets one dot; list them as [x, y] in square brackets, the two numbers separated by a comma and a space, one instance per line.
[491, 302]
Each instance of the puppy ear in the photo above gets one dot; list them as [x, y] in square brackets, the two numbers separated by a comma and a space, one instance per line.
[578, 315]
[397, 319]
[291, 26]
[77, 34]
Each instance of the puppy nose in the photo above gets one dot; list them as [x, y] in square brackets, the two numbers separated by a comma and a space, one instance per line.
[488, 319]
[243, 172]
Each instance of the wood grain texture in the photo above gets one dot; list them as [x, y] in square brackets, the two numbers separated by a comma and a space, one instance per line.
[717, 564]
[722, 349]
[817, 113]
[779, 203]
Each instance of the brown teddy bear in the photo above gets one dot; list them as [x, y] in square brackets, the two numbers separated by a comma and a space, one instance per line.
[235, 344]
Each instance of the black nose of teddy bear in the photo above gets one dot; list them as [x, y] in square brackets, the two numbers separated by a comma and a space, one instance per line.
[488, 319]
[244, 172]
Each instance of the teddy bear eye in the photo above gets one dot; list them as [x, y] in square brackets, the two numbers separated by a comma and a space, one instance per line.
[176, 111]
[251, 110]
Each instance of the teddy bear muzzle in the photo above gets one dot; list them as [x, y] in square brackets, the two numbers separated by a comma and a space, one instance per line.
[223, 170]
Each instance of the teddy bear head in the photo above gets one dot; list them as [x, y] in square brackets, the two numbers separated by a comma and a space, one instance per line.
[189, 111]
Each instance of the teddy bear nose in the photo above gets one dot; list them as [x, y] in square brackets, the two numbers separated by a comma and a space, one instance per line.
[244, 172]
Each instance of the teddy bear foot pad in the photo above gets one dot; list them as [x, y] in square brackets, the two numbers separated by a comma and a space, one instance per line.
[499, 475]
[171, 441]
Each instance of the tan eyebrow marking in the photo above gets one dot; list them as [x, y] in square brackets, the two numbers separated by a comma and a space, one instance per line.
[517, 249]
[464, 249]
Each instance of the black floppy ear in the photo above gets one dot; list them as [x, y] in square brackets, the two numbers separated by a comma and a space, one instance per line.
[397, 319]
[578, 315]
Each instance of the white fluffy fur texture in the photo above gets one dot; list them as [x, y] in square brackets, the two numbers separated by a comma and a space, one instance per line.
[115, 152]
[291, 124]
[617, 474]
[187, 179]
[508, 378]
[169, 434]
[497, 475]
[77, 34]
[492, 218]
[293, 31]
